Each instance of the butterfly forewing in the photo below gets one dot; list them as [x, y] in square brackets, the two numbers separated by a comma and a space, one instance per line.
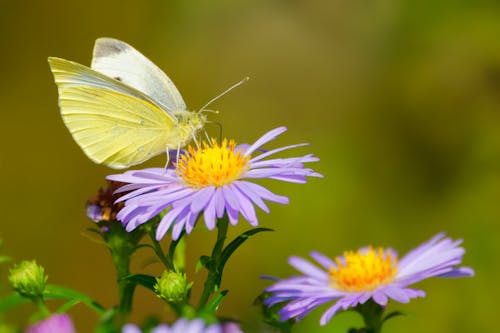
[113, 128]
[122, 62]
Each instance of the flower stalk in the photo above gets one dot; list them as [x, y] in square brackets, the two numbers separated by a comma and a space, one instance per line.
[372, 314]
[214, 275]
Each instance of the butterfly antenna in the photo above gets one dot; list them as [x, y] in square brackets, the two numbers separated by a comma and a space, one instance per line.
[211, 111]
[223, 93]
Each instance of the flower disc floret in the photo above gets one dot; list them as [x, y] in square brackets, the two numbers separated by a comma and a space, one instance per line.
[213, 165]
[363, 270]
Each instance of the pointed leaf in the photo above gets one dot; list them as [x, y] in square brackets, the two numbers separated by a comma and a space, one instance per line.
[58, 292]
[213, 305]
[204, 261]
[231, 247]
[392, 315]
[144, 280]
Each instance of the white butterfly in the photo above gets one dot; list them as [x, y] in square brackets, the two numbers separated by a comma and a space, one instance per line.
[124, 109]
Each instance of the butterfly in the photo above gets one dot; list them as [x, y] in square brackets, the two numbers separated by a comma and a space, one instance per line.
[123, 110]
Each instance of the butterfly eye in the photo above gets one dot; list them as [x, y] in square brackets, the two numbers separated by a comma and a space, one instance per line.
[117, 78]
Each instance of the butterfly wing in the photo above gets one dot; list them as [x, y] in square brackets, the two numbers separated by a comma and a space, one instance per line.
[112, 128]
[114, 124]
[122, 62]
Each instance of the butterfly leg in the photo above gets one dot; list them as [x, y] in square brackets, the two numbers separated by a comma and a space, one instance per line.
[207, 137]
[168, 158]
[196, 142]
[177, 155]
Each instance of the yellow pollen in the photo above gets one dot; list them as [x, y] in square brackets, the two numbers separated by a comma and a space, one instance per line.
[212, 165]
[363, 270]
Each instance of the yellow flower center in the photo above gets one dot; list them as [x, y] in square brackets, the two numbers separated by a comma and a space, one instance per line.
[212, 165]
[363, 270]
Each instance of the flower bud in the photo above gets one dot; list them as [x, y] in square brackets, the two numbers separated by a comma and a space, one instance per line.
[28, 279]
[172, 286]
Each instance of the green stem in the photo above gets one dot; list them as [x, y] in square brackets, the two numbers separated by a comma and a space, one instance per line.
[214, 276]
[160, 254]
[122, 245]
[42, 307]
[372, 316]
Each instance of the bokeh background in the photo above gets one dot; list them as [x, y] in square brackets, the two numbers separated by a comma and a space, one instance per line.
[399, 99]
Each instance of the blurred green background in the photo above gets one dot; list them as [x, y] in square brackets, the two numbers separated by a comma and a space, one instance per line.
[399, 99]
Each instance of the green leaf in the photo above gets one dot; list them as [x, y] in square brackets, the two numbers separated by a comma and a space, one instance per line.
[144, 280]
[213, 305]
[392, 315]
[177, 253]
[231, 247]
[57, 292]
[68, 305]
[204, 261]
[12, 300]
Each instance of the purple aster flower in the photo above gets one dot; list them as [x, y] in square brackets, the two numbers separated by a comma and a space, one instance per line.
[356, 277]
[213, 180]
[184, 326]
[60, 323]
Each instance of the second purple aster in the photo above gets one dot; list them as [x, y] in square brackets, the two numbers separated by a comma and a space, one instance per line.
[369, 273]
[216, 179]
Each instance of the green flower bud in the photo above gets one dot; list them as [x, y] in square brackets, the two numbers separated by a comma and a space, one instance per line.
[28, 279]
[172, 286]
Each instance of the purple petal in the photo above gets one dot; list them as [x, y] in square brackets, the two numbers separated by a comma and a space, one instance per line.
[209, 214]
[323, 260]
[271, 135]
[251, 194]
[328, 314]
[266, 194]
[380, 298]
[307, 268]
[167, 221]
[277, 150]
[201, 198]
[458, 272]
[245, 205]
[220, 203]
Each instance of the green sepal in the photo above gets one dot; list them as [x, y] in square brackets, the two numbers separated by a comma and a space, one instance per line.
[144, 280]
[57, 292]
